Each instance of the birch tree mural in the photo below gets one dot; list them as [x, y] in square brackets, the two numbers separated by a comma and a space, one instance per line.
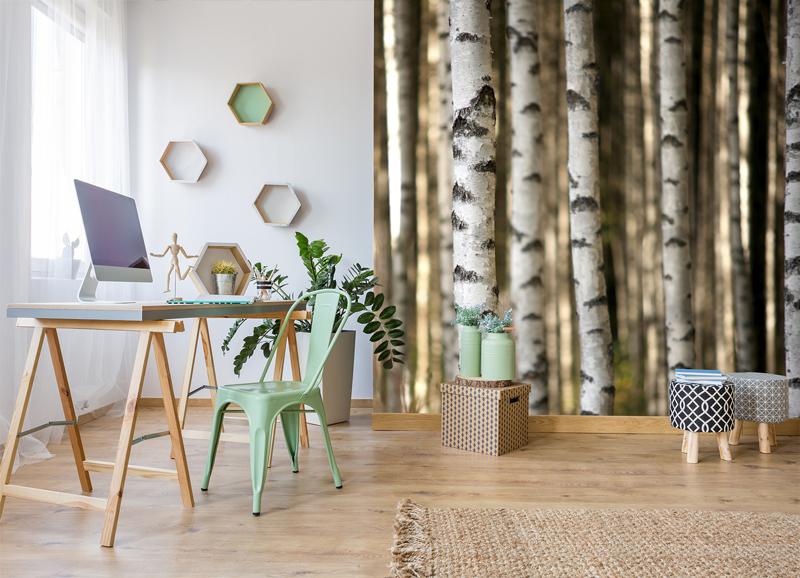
[791, 215]
[674, 190]
[527, 247]
[594, 327]
[742, 289]
[445, 184]
[474, 168]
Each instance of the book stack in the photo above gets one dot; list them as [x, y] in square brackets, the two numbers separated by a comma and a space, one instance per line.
[700, 376]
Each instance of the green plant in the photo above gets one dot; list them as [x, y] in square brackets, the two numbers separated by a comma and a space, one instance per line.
[358, 282]
[223, 267]
[491, 323]
[468, 316]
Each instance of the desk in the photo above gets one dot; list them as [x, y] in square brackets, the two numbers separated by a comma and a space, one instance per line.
[151, 321]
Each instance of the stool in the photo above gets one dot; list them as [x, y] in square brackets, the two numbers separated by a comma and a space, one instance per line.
[762, 398]
[696, 408]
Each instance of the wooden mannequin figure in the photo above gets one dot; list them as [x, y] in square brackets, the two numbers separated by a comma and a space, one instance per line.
[173, 248]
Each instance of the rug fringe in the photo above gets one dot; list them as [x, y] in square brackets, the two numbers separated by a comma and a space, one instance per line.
[411, 553]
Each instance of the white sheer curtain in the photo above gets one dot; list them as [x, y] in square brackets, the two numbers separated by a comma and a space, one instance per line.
[72, 83]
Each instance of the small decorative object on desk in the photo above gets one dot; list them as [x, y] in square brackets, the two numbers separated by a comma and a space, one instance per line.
[224, 273]
[263, 278]
[469, 339]
[498, 350]
[174, 249]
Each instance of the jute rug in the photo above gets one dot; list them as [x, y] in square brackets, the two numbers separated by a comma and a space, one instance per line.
[460, 543]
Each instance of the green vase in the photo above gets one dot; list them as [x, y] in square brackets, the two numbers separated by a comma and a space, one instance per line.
[469, 339]
[498, 357]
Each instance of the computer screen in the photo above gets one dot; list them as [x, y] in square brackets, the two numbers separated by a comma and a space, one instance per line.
[112, 227]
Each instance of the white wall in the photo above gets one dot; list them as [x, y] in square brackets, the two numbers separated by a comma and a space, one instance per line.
[315, 59]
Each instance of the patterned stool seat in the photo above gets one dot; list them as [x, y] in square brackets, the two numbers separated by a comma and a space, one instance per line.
[762, 398]
[696, 408]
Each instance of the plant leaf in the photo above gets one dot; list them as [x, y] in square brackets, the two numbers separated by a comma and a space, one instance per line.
[387, 364]
[373, 327]
[398, 342]
[381, 347]
[366, 317]
[377, 336]
[384, 355]
[388, 312]
[378, 303]
[393, 324]
[369, 299]
[395, 333]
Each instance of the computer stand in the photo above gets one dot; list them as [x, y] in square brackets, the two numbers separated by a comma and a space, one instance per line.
[89, 287]
[88, 290]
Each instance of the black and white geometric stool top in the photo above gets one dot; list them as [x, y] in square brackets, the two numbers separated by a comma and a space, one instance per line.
[701, 408]
[760, 397]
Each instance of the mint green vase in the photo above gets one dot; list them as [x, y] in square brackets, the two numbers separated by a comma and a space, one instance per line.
[498, 357]
[469, 349]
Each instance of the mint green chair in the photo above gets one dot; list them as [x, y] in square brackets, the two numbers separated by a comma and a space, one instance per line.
[264, 401]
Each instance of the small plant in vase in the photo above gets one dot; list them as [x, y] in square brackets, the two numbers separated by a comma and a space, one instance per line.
[498, 350]
[469, 339]
[224, 276]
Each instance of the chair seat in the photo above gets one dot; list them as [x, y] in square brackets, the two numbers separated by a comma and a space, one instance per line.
[267, 387]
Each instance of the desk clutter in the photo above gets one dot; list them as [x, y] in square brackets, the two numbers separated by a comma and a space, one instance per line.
[706, 401]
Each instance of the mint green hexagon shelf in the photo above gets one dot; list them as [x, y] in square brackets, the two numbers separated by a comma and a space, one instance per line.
[250, 103]
[276, 204]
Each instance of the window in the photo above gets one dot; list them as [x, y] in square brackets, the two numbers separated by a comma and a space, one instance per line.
[58, 139]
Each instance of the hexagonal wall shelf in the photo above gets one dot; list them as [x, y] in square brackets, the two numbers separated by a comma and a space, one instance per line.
[250, 103]
[276, 204]
[184, 161]
[211, 253]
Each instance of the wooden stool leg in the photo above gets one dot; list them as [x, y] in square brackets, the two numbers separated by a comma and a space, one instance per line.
[125, 439]
[736, 433]
[763, 438]
[724, 450]
[68, 407]
[19, 411]
[295, 361]
[773, 439]
[685, 444]
[693, 448]
[178, 450]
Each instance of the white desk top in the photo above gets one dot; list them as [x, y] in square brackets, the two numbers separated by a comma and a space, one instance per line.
[144, 310]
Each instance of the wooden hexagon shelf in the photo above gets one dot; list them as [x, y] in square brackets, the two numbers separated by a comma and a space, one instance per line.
[184, 161]
[276, 204]
[211, 253]
[250, 103]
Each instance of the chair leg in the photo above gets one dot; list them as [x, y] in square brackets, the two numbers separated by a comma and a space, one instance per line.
[260, 433]
[290, 422]
[216, 429]
[317, 406]
[736, 433]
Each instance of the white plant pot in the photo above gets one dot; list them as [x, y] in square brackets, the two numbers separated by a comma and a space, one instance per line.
[337, 377]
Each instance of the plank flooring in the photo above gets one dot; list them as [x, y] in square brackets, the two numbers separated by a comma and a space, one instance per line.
[309, 528]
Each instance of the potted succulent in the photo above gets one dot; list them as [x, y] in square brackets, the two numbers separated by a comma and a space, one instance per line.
[469, 339]
[498, 351]
[368, 308]
[224, 273]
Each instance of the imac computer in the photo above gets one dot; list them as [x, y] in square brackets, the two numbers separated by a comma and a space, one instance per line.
[114, 237]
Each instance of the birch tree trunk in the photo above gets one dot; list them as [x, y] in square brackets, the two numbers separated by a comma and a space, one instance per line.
[674, 188]
[791, 214]
[404, 266]
[445, 184]
[527, 247]
[742, 291]
[597, 364]
[474, 166]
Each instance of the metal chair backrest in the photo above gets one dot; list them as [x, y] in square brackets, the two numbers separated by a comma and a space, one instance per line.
[326, 303]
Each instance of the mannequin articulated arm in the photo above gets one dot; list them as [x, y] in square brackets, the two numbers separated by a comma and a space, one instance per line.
[162, 254]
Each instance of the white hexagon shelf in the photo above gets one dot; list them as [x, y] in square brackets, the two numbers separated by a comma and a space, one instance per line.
[276, 204]
[211, 253]
[184, 161]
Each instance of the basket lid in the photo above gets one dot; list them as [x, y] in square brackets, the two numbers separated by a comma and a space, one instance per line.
[496, 393]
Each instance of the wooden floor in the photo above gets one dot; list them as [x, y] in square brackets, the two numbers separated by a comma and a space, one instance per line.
[309, 528]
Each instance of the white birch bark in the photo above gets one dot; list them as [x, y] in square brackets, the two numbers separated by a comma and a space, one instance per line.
[474, 166]
[527, 247]
[594, 327]
[742, 289]
[674, 188]
[791, 214]
[445, 184]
